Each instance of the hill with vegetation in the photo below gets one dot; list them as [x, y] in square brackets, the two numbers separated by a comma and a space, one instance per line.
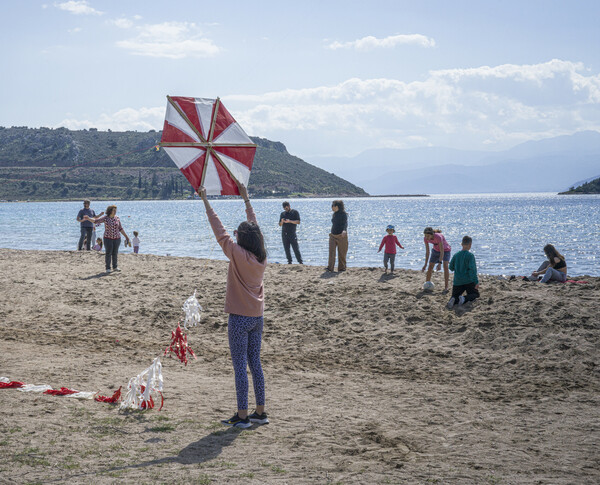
[591, 187]
[58, 164]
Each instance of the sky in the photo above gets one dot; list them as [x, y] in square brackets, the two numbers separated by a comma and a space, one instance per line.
[326, 78]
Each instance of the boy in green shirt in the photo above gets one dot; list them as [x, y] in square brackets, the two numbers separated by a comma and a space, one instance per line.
[465, 275]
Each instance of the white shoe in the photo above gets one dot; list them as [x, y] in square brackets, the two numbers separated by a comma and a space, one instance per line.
[108, 271]
[116, 269]
[461, 300]
[450, 303]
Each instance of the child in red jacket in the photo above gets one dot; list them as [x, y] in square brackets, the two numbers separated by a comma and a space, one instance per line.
[390, 241]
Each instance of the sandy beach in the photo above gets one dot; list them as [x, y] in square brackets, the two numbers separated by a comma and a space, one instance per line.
[369, 379]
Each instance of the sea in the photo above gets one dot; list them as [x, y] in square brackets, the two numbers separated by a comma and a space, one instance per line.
[508, 230]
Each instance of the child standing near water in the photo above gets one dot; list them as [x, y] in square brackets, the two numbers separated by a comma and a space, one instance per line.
[136, 242]
[439, 254]
[390, 241]
[465, 275]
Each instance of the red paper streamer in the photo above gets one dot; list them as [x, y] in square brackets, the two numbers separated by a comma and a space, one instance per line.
[111, 400]
[179, 346]
[150, 403]
[63, 391]
[11, 385]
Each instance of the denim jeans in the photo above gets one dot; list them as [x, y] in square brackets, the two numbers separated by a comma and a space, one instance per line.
[85, 232]
[111, 248]
[552, 274]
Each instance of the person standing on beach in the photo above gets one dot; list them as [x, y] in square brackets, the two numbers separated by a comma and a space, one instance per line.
[244, 301]
[439, 254]
[465, 275]
[288, 220]
[112, 236]
[87, 227]
[338, 237]
[389, 254]
[136, 242]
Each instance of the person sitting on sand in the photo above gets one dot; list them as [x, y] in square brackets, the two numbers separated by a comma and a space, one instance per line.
[244, 301]
[439, 254]
[390, 242]
[98, 245]
[465, 275]
[556, 269]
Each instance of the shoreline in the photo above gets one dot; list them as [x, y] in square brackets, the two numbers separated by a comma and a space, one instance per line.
[500, 277]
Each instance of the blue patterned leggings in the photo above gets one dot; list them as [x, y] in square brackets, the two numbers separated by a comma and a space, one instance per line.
[245, 335]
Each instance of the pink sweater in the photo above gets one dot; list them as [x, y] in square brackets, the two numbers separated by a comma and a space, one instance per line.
[245, 290]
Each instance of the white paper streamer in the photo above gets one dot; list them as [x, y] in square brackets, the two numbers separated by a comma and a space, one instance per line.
[34, 388]
[152, 379]
[82, 395]
[192, 310]
[6, 380]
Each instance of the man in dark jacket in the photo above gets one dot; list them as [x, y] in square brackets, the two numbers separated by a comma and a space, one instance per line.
[86, 226]
[288, 220]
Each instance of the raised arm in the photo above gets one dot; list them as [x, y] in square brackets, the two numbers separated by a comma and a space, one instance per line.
[224, 240]
[250, 215]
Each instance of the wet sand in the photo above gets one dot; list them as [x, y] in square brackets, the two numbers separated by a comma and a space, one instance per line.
[369, 379]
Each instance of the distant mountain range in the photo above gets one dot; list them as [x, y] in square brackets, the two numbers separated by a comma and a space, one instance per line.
[548, 165]
[55, 164]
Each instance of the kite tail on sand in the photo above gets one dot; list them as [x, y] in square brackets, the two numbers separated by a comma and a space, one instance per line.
[140, 388]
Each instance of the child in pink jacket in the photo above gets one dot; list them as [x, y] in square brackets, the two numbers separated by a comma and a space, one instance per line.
[244, 301]
[390, 242]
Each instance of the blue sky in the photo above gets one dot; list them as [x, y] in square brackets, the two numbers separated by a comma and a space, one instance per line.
[325, 78]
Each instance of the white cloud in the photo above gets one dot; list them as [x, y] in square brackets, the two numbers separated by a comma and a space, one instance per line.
[465, 108]
[174, 40]
[78, 7]
[122, 23]
[486, 107]
[142, 119]
[75, 30]
[370, 42]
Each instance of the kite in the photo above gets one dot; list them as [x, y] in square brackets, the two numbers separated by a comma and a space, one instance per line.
[141, 387]
[192, 310]
[206, 143]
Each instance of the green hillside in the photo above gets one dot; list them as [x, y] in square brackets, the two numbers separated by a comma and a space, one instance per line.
[592, 187]
[55, 164]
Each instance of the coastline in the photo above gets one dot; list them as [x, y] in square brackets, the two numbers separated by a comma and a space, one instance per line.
[500, 277]
[397, 387]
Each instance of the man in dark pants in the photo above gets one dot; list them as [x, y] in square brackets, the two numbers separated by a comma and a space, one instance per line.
[86, 226]
[288, 220]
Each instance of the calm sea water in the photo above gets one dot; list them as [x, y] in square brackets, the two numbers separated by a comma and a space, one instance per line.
[509, 230]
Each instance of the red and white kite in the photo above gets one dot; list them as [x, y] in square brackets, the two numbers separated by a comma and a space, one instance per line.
[207, 144]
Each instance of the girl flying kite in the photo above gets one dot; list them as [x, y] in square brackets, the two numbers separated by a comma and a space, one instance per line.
[244, 301]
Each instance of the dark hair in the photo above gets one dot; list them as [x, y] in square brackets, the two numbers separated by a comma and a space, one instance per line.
[467, 240]
[552, 253]
[110, 209]
[431, 231]
[251, 239]
[86, 201]
[339, 204]
[286, 204]
[135, 233]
